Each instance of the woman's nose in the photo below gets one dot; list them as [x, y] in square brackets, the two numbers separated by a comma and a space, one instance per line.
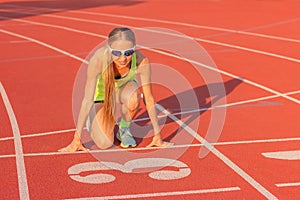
[122, 58]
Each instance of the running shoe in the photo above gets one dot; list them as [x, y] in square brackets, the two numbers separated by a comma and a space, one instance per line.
[126, 138]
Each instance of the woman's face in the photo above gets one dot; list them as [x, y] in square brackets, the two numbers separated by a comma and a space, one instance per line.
[121, 61]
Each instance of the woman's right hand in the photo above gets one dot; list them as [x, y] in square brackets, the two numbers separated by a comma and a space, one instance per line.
[75, 145]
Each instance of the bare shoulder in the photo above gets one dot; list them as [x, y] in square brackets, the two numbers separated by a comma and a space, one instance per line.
[141, 59]
[95, 63]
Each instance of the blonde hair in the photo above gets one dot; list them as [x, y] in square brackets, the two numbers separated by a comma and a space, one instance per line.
[108, 74]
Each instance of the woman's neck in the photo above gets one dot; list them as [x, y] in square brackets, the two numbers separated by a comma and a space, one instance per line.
[121, 71]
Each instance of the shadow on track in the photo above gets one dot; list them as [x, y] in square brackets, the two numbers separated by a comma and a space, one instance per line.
[36, 8]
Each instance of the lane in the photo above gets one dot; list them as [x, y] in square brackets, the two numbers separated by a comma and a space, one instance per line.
[204, 12]
[46, 82]
[210, 169]
[271, 172]
[209, 148]
[20, 165]
[262, 122]
[249, 65]
[289, 29]
[7, 146]
[9, 179]
[277, 45]
[226, 44]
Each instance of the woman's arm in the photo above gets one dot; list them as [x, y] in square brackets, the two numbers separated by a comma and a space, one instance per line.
[94, 68]
[145, 73]
[88, 100]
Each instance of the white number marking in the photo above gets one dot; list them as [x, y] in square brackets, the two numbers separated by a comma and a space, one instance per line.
[141, 164]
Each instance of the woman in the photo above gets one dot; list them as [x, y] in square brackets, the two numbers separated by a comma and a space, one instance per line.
[111, 79]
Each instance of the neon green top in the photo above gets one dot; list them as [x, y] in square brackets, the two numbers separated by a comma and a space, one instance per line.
[131, 76]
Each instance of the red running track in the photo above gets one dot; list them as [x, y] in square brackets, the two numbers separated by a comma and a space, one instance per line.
[255, 46]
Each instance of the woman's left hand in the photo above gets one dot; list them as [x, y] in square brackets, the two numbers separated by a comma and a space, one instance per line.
[158, 142]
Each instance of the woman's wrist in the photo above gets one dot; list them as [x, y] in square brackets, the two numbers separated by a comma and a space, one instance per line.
[76, 138]
[157, 135]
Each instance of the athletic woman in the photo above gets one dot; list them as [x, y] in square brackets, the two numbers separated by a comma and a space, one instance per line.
[111, 80]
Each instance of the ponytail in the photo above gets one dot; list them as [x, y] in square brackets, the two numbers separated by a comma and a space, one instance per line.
[110, 97]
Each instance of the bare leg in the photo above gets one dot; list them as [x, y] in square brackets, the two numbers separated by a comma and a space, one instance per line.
[102, 134]
[129, 96]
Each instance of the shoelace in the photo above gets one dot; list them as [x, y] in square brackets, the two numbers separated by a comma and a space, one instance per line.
[125, 132]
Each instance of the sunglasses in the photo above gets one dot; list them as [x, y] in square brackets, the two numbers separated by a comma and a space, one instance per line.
[118, 53]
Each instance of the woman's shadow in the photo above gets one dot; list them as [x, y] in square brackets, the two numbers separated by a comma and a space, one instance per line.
[189, 105]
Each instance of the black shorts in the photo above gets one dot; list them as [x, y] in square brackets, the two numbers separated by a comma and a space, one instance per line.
[100, 101]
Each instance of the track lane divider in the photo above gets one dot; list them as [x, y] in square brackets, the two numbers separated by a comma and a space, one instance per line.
[20, 164]
[220, 155]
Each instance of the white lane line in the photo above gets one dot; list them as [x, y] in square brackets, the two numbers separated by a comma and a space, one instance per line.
[288, 184]
[21, 170]
[18, 59]
[256, 141]
[164, 194]
[249, 49]
[19, 41]
[176, 35]
[228, 74]
[163, 115]
[193, 25]
[173, 23]
[237, 103]
[40, 134]
[178, 57]
[283, 155]
[220, 155]
[7, 138]
[48, 133]
[14, 41]
[116, 149]
[45, 45]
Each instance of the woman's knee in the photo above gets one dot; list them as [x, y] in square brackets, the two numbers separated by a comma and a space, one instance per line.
[102, 141]
[104, 144]
[130, 96]
[134, 101]
[102, 134]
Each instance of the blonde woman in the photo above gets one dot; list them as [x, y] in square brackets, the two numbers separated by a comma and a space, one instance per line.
[111, 79]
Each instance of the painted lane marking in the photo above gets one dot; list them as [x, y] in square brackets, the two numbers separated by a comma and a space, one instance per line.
[195, 26]
[296, 184]
[220, 155]
[180, 36]
[175, 23]
[177, 113]
[163, 194]
[44, 44]
[283, 155]
[21, 170]
[40, 134]
[115, 149]
[191, 61]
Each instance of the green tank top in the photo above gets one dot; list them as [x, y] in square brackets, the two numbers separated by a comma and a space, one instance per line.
[131, 76]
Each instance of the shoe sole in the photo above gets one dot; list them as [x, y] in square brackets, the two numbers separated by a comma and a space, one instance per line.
[125, 147]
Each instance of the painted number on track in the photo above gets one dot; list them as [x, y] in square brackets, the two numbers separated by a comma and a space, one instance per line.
[138, 164]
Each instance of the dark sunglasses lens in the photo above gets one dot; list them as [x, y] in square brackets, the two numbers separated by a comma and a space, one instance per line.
[116, 53]
[129, 52]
